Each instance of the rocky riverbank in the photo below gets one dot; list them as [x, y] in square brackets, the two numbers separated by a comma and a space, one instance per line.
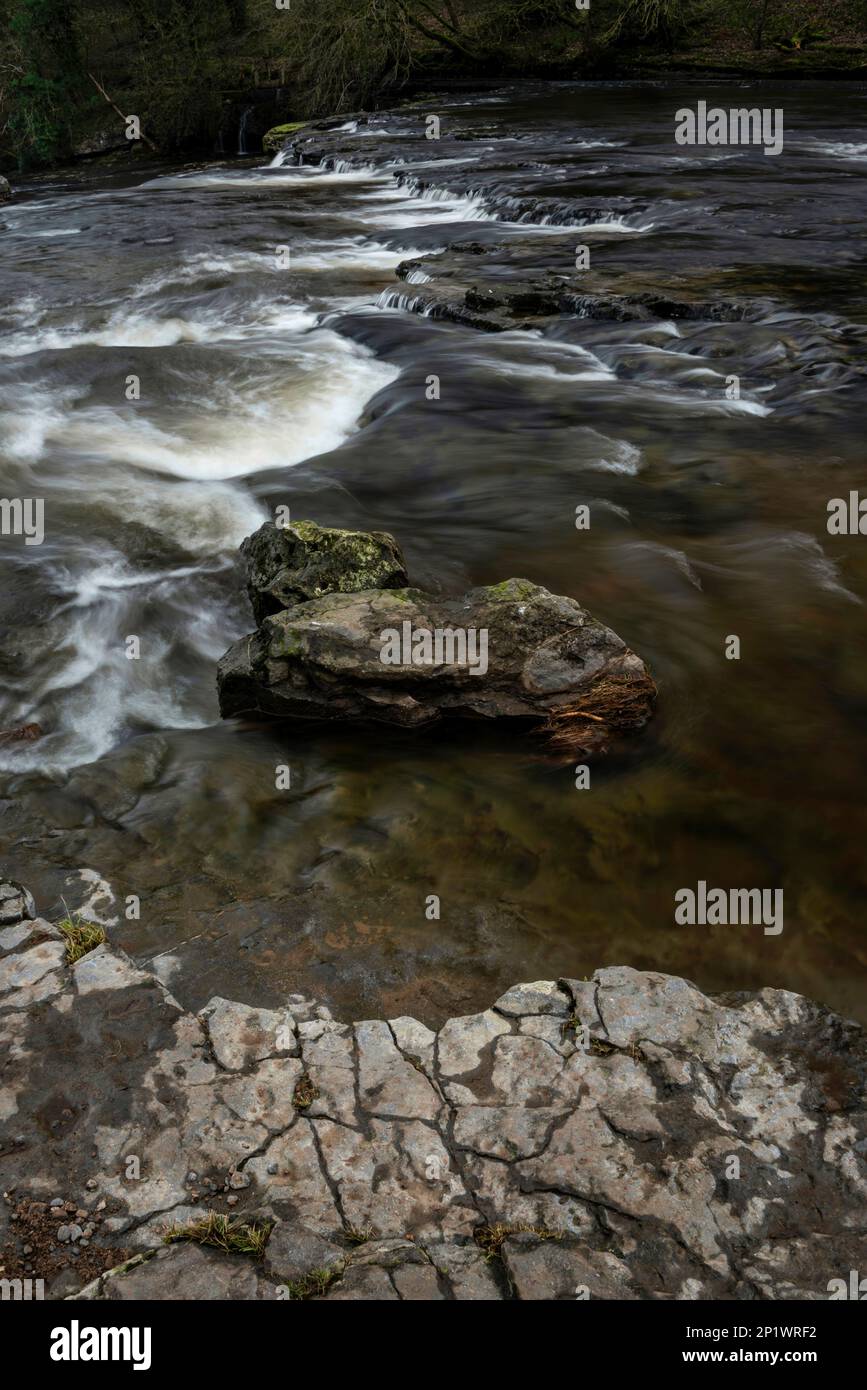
[624, 1137]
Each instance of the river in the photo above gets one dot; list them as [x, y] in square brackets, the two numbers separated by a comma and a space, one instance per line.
[184, 348]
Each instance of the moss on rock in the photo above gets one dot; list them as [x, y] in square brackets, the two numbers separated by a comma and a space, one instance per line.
[292, 564]
[275, 138]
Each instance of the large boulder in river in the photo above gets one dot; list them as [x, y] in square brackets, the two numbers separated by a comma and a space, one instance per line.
[5, 189]
[511, 651]
[289, 564]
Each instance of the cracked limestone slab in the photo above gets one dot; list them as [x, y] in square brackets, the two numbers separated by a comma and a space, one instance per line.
[388, 1084]
[541, 997]
[328, 1053]
[241, 1035]
[27, 968]
[184, 1272]
[397, 1178]
[561, 1269]
[464, 1052]
[289, 1176]
[699, 1147]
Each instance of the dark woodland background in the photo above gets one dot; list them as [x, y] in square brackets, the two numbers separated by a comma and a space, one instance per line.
[190, 69]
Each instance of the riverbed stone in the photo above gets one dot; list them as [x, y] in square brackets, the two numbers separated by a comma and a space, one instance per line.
[287, 565]
[16, 902]
[465, 284]
[21, 970]
[186, 1272]
[294, 1250]
[102, 969]
[543, 659]
[541, 997]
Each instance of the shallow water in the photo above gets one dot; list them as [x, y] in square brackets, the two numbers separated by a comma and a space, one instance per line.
[263, 385]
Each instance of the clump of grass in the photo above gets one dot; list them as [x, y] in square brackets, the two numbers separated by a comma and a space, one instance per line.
[80, 936]
[358, 1235]
[305, 1092]
[490, 1238]
[315, 1283]
[233, 1237]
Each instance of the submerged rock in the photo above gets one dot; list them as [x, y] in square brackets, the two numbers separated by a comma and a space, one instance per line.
[25, 733]
[469, 284]
[341, 647]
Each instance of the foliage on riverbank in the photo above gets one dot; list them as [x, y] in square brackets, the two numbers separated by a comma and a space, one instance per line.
[186, 67]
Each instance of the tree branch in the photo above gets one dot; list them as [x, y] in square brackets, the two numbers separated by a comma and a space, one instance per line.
[104, 93]
[432, 34]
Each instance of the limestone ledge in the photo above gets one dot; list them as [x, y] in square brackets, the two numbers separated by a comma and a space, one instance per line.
[623, 1137]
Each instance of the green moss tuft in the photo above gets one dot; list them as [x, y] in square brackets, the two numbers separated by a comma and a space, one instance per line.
[233, 1237]
[316, 1283]
[81, 936]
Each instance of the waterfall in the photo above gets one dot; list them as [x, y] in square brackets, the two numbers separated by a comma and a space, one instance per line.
[242, 130]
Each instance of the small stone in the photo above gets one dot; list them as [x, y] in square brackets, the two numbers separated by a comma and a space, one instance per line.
[56, 1202]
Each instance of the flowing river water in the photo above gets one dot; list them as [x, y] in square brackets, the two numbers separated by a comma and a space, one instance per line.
[265, 384]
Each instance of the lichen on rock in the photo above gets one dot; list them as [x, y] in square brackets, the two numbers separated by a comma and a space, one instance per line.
[290, 564]
[342, 636]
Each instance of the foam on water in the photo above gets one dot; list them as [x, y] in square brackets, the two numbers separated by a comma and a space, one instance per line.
[838, 149]
[125, 329]
[309, 407]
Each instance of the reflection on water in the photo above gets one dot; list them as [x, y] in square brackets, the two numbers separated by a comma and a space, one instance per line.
[261, 383]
